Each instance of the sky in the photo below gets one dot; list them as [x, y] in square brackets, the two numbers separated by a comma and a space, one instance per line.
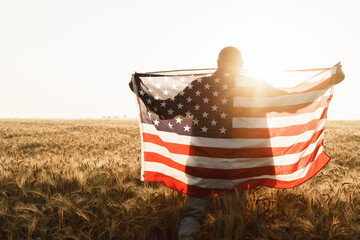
[74, 58]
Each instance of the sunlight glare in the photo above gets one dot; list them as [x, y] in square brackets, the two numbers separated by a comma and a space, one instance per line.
[271, 45]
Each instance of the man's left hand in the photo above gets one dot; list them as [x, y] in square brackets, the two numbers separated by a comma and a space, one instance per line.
[339, 75]
[131, 85]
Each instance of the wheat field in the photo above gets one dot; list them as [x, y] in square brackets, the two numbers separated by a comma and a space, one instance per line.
[80, 179]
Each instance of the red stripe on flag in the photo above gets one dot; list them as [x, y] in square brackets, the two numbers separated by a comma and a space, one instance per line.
[200, 192]
[213, 152]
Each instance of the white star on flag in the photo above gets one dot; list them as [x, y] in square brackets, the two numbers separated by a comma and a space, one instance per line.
[204, 129]
[187, 128]
[178, 120]
[170, 111]
[156, 122]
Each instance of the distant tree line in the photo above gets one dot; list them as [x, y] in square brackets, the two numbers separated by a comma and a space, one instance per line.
[114, 117]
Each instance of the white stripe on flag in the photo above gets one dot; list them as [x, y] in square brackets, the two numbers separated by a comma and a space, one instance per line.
[286, 100]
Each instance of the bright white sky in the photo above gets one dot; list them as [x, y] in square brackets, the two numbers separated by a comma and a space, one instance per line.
[74, 58]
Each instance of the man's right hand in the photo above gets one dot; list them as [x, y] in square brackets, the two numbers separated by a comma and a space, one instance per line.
[339, 75]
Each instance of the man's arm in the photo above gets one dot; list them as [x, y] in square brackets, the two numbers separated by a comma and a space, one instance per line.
[338, 77]
[264, 89]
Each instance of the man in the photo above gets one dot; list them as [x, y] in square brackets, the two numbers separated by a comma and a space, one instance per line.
[220, 88]
[229, 63]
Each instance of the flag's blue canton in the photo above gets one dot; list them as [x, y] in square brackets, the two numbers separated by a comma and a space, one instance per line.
[188, 106]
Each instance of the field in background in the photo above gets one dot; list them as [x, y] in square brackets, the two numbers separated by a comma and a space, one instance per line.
[75, 179]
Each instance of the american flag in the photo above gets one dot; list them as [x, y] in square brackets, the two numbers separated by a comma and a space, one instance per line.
[207, 132]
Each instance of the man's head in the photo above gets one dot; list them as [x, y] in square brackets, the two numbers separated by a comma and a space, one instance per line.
[230, 60]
